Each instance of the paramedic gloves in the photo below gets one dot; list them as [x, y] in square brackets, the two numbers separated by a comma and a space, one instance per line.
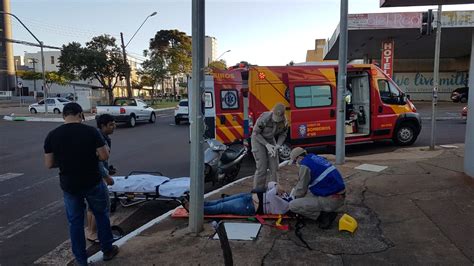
[272, 151]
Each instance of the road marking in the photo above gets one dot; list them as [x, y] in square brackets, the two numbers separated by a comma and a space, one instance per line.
[25, 188]
[31, 219]
[7, 176]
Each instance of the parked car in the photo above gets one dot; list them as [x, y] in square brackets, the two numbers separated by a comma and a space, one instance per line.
[464, 113]
[181, 112]
[128, 111]
[460, 95]
[55, 105]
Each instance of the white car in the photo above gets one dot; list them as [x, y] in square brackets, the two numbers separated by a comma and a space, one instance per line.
[129, 110]
[55, 105]
[181, 112]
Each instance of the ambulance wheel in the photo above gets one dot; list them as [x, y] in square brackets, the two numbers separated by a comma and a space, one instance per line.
[405, 134]
[285, 151]
[176, 121]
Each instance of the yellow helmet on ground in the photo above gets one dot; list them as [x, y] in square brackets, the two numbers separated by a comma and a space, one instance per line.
[347, 223]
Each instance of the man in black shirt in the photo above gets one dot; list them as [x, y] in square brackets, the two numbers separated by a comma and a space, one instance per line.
[76, 149]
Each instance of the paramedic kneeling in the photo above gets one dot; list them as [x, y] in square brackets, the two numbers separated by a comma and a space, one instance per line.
[320, 190]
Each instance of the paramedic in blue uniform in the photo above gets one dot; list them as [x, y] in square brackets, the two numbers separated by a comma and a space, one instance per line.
[320, 190]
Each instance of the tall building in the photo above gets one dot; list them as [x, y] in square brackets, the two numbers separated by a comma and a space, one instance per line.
[7, 71]
[210, 49]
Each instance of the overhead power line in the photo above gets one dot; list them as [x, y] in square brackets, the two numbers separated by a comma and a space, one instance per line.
[29, 43]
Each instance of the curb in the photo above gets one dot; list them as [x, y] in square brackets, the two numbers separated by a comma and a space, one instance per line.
[443, 118]
[98, 256]
[39, 119]
[164, 109]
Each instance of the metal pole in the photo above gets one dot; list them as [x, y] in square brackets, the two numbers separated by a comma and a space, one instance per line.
[469, 140]
[434, 102]
[34, 70]
[127, 74]
[42, 54]
[45, 88]
[196, 215]
[341, 86]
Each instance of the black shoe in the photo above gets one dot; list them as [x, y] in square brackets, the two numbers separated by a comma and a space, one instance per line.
[325, 219]
[320, 217]
[108, 255]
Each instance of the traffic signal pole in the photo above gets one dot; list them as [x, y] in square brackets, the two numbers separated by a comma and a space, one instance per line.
[341, 86]
[196, 119]
[434, 101]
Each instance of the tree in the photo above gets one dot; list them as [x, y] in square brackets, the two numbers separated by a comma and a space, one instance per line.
[154, 70]
[170, 55]
[221, 65]
[100, 59]
[51, 77]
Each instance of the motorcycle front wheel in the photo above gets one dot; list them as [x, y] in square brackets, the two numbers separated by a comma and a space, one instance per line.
[233, 173]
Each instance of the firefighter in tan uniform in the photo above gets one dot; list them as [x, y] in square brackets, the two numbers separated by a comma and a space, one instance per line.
[269, 133]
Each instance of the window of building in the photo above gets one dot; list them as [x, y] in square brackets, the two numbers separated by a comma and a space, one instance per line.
[313, 96]
[52, 60]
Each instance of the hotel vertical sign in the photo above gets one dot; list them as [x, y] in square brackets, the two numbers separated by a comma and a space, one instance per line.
[387, 57]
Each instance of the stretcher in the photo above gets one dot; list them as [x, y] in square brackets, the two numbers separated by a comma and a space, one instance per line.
[139, 186]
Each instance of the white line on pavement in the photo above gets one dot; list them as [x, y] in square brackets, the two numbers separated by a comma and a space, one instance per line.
[26, 188]
[27, 221]
[7, 176]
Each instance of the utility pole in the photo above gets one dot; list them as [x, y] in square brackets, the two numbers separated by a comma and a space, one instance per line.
[34, 62]
[196, 208]
[127, 74]
[434, 101]
[341, 86]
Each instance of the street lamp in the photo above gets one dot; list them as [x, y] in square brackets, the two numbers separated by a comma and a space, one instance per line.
[127, 75]
[222, 54]
[42, 57]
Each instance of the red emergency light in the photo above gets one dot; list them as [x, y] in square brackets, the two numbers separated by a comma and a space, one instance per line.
[261, 75]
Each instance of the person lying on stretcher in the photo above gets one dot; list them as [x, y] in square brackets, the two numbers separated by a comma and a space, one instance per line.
[247, 204]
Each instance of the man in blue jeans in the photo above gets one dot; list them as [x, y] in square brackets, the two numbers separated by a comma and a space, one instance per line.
[76, 149]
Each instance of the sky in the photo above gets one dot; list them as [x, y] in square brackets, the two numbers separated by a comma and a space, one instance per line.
[263, 32]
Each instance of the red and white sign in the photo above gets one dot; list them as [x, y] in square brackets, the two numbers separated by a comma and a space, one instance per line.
[386, 64]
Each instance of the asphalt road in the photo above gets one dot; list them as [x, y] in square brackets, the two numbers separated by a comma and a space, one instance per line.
[32, 219]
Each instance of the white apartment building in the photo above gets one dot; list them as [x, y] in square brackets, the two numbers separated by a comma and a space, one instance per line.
[210, 49]
[51, 62]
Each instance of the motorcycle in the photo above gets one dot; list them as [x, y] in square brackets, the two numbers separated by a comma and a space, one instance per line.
[222, 162]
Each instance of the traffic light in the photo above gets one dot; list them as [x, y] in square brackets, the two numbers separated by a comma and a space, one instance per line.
[427, 23]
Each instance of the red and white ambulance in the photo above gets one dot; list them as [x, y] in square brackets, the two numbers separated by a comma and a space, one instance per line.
[376, 108]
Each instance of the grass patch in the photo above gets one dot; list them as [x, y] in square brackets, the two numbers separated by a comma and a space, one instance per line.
[160, 105]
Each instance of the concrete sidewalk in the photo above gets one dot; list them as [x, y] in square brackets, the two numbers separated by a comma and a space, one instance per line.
[417, 211]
